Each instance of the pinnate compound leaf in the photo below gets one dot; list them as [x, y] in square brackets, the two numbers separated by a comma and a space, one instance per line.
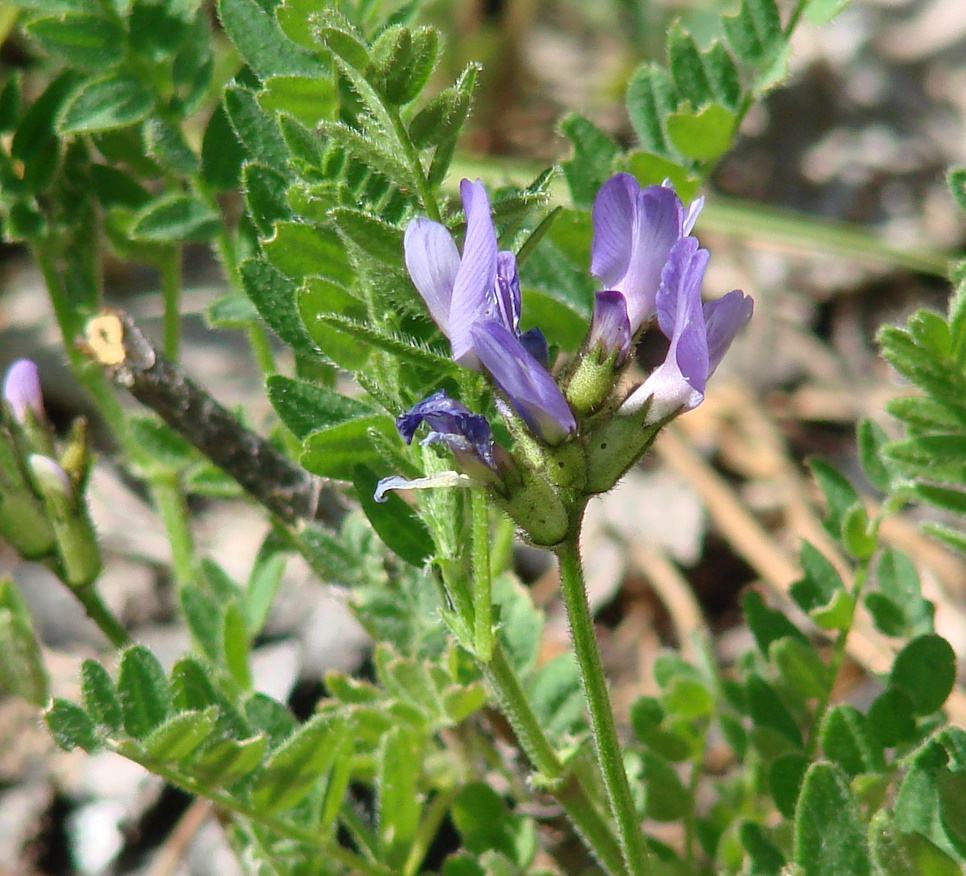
[236, 645]
[486, 824]
[666, 798]
[768, 710]
[925, 670]
[71, 726]
[688, 70]
[891, 719]
[294, 767]
[222, 153]
[829, 838]
[399, 345]
[100, 695]
[111, 101]
[765, 857]
[444, 115]
[83, 40]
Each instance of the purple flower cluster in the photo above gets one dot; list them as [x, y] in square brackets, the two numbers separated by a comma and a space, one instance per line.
[475, 300]
[649, 266]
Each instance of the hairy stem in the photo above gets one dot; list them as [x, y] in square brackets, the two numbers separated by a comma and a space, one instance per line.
[564, 786]
[482, 582]
[607, 744]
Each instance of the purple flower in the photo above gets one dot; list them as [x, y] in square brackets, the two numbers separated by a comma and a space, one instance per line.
[475, 299]
[634, 231]
[21, 390]
[699, 335]
[467, 434]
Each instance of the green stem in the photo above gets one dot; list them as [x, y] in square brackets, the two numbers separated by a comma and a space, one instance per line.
[261, 348]
[428, 828]
[171, 295]
[838, 657]
[609, 755]
[98, 612]
[566, 788]
[170, 501]
[482, 583]
[425, 190]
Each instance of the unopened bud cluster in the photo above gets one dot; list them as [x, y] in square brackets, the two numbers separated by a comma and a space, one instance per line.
[42, 513]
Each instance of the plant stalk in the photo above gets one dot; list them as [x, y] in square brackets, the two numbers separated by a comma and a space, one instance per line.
[603, 726]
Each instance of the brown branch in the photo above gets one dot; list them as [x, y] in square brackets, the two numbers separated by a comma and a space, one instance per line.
[266, 474]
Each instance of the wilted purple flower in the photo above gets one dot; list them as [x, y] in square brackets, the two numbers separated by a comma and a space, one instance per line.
[467, 434]
[475, 300]
[699, 335]
[634, 230]
[21, 390]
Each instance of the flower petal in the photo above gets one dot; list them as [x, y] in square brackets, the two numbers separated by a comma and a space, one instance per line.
[432, 260]
[473, 287]
[724, 318]
[528, 386]
[433, 481]
[610, 329]
[453, 424]
[634, 230]
[679, 311]
[21, 390]
[505, 306]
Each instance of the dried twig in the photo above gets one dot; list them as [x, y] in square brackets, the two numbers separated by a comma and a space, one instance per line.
[265, 473]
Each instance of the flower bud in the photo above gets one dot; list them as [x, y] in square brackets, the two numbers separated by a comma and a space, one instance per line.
[77, 548]
[21, 390]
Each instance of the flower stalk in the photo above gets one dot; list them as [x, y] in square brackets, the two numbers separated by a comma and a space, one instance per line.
[604, 729]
